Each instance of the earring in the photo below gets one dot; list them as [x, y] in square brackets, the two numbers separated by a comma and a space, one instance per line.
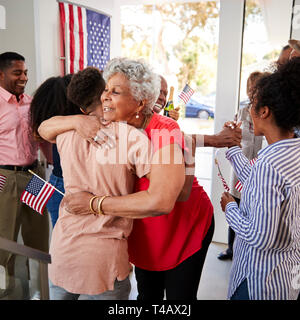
[137, 115]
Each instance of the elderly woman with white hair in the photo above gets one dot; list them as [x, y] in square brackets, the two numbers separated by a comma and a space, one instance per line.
[89, 250]
[169, 246]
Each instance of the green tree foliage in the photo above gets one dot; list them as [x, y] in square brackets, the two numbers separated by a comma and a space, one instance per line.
[196, 54]
[252, 11]
[190, 18]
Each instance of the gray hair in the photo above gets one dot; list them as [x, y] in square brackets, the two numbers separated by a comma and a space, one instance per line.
[144, 84]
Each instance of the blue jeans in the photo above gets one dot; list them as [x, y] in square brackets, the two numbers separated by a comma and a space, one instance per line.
[241, 293]
[54, 201]
[121, 292]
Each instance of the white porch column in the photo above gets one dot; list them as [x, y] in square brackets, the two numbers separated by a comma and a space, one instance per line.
[227, 94]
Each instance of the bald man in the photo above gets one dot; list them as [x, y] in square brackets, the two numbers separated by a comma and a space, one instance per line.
[162, 100]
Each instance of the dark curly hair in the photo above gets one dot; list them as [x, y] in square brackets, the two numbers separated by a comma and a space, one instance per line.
[280, 91]
[86, 87]
[49, 100]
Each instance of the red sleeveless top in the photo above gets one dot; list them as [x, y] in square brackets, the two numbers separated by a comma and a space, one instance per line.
[161, 243]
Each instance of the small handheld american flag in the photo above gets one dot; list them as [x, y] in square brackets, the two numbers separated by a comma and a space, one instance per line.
[2, 182]
[225, 185]
[37, 193]
[186, 93]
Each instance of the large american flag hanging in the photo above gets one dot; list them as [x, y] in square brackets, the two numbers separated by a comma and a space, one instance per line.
[86, 37]
[37, 193]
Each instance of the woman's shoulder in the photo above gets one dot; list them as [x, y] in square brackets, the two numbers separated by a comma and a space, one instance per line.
[162, 122]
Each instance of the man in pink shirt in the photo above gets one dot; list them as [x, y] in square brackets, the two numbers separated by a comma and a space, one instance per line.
[18, 153]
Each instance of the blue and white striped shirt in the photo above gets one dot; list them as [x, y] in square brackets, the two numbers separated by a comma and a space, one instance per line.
[267, 224]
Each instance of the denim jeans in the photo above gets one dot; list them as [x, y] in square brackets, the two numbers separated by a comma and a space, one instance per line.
[241, 293]
[54, 201]
[121, 292]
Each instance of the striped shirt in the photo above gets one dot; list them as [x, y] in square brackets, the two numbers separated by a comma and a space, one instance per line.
[267, 224]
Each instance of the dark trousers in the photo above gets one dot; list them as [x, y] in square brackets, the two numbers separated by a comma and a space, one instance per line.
[231, 236]
[231, 233]
[241, 293]
[180, 283]
[15, 215]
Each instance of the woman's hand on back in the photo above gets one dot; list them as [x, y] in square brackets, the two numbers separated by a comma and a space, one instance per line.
[94, 130]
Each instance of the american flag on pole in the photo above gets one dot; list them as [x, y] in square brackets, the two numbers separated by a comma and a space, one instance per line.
[2, 182]
[37, 193]
[86, 37]
[239, 186]
[186, 93]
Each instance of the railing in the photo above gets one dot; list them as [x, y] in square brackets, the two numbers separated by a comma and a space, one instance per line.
[40, 256]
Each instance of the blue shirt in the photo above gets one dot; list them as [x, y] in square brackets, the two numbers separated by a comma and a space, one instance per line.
[267, 224]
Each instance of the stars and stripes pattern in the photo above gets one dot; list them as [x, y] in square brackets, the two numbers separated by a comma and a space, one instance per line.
[2, 182]
[225, 185]
[37, 193]
[239, 186]
[186, 93]
[86, 37]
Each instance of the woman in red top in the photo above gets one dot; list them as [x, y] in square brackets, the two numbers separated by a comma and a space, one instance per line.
[174, 244]
[169, 245]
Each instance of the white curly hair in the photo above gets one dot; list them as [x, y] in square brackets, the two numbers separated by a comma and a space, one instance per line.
[144, 83]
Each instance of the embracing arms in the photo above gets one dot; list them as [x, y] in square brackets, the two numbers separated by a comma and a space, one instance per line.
[86, 126]
[166, 182]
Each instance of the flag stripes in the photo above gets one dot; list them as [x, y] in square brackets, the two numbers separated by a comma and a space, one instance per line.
[86, 40]
[186, 93]
[2, 182]
[239, 186]
[225, 185]
[37, 193]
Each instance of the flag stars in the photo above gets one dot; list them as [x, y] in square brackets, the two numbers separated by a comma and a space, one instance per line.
[98, 44]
